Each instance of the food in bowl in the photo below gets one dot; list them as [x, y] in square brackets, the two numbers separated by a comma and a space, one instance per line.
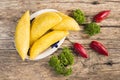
[47, 27]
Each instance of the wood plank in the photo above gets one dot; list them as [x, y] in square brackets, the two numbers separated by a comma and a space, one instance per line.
[110, 44]
[83, 6]
[6, 4]
[89, 11]
[111, 40]
[94, 59]
[11, 64]
[106, 33]
[112, 20]
[73, 1]
[99, 76]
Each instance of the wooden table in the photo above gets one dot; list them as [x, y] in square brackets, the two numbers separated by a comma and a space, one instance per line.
[96, 67]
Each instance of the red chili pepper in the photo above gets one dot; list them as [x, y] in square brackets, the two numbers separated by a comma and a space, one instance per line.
[101, 16]
[97, 46]
[80, 50]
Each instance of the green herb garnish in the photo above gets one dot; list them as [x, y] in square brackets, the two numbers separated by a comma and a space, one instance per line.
[66, 57]
[92, 29]
[61, 62]
[79, 16]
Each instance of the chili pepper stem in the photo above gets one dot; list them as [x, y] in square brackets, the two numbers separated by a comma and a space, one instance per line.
[69, 40]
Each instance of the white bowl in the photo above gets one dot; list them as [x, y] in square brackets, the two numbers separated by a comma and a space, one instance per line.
[51, 49]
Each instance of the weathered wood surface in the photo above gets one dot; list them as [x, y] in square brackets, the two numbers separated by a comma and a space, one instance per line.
[96, 67]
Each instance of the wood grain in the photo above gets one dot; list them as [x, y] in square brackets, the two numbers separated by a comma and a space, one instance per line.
[96, 67]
